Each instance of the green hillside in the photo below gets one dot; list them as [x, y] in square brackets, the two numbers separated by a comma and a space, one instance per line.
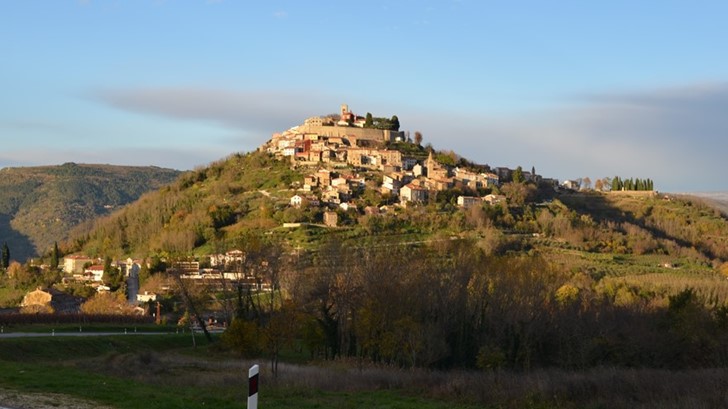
[202, 210]
[40, 205]
[552, 278]
[220, 207]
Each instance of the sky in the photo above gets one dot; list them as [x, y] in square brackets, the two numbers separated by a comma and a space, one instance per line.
[573, 88]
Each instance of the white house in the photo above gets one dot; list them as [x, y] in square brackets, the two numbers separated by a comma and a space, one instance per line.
[296, 201]
[469, 201]
[232, 256]
[95, 272]
[412, 193]
[146, 297]
[494, 199]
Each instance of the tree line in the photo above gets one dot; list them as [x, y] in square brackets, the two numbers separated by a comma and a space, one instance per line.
[449, 305]
[389, 124]
[632, 184]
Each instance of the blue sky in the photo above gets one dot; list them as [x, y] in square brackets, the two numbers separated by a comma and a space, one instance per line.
[574, 88]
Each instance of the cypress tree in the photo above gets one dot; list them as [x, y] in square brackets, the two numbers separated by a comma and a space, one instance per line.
[5, 255]
[395, 123]
[616, 184]
[54, 256]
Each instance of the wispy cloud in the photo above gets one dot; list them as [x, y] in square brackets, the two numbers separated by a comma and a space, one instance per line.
[256, 111]
[675, 136]
[280, 14]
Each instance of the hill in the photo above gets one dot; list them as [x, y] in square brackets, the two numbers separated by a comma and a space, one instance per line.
[218, 208]
[40, 205]
[376, 248]
[539, 277]
[204, 210]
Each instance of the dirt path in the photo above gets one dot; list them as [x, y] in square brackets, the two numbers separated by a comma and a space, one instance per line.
[10, 399]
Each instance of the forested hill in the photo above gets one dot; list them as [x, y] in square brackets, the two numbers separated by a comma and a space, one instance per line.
[40, 205]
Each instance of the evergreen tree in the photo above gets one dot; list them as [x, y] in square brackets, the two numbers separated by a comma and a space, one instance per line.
[112, 275]
[54, 256]
[616, 184]
[369, 121]
[395, 123]
[5, 255]
[518, 175]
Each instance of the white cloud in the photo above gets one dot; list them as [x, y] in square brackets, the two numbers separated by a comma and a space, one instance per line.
[675, 136]
[258, 111]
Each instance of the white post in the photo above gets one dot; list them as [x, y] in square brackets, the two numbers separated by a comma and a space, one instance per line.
[253, 387]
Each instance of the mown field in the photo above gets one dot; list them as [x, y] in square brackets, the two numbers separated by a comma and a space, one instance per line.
[165, 371]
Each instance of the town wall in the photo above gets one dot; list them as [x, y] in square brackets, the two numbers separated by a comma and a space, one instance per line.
[343, 131]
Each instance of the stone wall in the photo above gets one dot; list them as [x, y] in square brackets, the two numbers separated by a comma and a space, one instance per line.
[343, 131]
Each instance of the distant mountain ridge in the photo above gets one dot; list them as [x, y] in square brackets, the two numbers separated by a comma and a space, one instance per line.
[39, 205]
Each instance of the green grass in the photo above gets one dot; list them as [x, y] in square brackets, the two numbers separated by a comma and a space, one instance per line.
[108, 390]
[60, 348]
[89, 369]
[130, 394]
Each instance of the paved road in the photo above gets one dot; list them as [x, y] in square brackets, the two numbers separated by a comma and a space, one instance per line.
[74, 334]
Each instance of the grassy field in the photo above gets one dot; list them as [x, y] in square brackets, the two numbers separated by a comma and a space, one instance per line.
[164, 371]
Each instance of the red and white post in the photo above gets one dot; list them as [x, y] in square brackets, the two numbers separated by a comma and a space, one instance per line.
[253, 387]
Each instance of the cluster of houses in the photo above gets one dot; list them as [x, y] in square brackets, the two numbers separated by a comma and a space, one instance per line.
[346, 143]
[227, 266]
[91, 270]
[416, 184]
[410, 183]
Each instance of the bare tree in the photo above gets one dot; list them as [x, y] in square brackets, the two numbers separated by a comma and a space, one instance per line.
[418, 138]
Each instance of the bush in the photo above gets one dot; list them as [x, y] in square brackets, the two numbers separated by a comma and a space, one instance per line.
[242, 337]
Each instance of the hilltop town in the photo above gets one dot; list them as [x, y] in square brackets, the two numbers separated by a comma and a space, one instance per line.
[352, 175]
[345, 153]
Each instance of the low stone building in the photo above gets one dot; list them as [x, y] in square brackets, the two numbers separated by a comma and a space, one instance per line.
[51, 300]
[331, 219]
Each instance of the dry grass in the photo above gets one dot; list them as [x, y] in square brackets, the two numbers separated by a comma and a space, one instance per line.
[597, 388]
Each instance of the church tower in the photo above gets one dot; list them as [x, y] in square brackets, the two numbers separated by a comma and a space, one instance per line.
[430, 164]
